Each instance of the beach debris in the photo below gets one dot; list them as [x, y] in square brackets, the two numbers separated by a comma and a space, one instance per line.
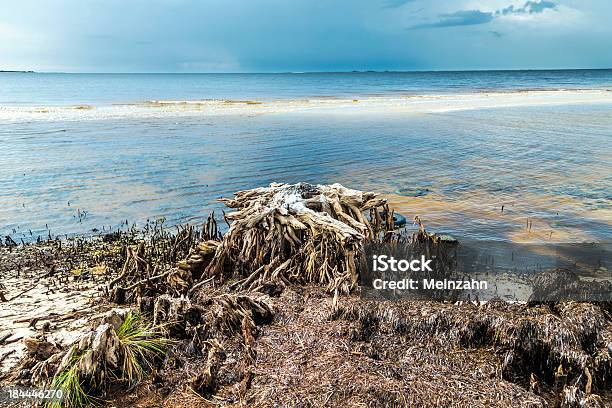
[123, 347]
[563, 284]
[206, 380]
[422, 345]
[270, 313]
[5, 355]
[299, 233]
[165, 263]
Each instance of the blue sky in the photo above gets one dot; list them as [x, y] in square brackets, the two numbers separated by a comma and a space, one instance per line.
[303, 35]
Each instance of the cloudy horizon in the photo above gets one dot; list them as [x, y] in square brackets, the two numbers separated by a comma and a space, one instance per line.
[304, 35]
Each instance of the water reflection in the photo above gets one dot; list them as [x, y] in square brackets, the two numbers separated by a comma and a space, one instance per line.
[549, 167]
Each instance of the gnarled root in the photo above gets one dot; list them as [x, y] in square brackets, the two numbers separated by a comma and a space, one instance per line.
[299, 233]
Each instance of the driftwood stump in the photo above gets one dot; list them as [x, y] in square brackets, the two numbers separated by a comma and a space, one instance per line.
[299, 233]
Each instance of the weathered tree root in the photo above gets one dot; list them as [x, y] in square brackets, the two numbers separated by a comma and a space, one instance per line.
[41, 359]
[205, 382]
[205, 324]
[139, 278]
[199, 258]
[220, 314]
[120, 348]
[297, 234]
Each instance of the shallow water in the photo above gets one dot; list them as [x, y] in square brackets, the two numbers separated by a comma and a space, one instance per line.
[549, 166]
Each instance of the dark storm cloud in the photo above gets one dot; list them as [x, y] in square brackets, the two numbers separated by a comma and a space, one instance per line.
[459, 18]
[301, 35]
[529, 7]
[475, 17]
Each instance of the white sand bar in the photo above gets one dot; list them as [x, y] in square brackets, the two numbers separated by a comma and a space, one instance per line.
[374, 104]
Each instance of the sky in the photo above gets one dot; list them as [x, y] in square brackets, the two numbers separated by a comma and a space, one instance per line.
[303, 35]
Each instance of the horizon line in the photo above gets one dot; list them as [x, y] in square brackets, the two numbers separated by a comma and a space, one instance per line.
[302, 72]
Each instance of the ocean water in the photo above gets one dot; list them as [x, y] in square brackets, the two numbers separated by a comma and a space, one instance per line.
[547, 164]
[49, 89]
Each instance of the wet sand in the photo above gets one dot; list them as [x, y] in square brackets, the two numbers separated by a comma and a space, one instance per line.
[58, 303]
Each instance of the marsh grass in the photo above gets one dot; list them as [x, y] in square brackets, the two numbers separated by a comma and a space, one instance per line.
[140, 343]
[70, 383]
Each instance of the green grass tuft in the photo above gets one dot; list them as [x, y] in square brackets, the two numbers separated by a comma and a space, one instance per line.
[70, 383]
[141, 342]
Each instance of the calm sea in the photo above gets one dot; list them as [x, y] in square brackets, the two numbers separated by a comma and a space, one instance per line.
[550, 167]
[66, 89]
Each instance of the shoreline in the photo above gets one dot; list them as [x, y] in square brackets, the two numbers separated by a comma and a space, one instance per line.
[347, 341]
[389, 104]
[252, 315]
[436, 211]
